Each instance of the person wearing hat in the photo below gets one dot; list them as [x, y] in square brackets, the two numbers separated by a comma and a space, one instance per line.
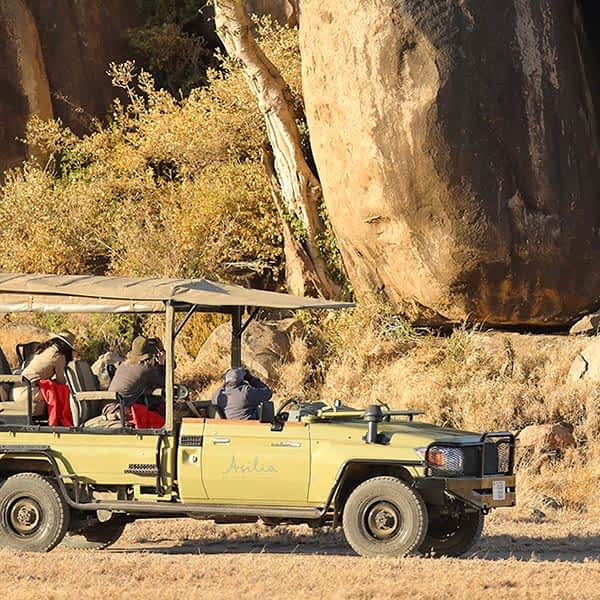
[241, 394]
[141, 373]
[49, 361]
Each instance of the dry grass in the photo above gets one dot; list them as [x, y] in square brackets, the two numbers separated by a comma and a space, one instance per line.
[472, 379]
[557, 559]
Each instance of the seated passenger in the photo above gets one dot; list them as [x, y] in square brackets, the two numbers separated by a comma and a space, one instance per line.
[240, 394]
[48, 363]
[141, 373]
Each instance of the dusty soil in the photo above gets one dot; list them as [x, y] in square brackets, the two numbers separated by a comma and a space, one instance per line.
[519, 557]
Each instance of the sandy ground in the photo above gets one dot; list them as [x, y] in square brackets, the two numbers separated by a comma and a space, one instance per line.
[558, 557]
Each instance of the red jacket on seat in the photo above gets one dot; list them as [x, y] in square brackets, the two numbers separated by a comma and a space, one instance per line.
[57, 398]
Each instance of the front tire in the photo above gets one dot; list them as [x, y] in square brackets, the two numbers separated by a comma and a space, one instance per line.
[95, 537]
[384, 517]
[453, 536]
[33, 515]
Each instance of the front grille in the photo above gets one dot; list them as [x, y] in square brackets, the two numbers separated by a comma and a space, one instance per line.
[496, 459]
[503, 449]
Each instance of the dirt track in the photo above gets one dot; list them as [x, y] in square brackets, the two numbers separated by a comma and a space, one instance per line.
[517, 558]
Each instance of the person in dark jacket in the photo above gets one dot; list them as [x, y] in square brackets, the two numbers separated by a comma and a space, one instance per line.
[240, 394]
[141, 373]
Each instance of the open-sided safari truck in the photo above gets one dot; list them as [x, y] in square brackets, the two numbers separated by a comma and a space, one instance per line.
[396, 485]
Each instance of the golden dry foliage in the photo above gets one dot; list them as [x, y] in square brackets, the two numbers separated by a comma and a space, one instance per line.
[170, 187]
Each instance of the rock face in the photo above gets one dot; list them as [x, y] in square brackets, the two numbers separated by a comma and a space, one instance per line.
[24, 89]
[56, 50]
[457, 147]
[79, 40]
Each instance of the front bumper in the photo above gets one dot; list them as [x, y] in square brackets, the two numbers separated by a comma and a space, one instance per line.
[476, 492]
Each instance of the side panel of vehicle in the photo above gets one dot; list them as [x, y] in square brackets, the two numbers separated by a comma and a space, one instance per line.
[248, 462]
[107, 459]
[189, 461]
[334, 446]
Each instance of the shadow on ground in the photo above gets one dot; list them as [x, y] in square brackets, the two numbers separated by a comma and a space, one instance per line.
[493, 547]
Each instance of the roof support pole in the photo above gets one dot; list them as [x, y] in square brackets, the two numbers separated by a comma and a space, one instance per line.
[169, 365]
[236, 336]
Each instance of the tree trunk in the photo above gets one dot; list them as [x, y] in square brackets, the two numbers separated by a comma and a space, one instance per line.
[298, 187]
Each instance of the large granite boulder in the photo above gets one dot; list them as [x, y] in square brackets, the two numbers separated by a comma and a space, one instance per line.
[79, 40]
[586, 364]
[457, 146]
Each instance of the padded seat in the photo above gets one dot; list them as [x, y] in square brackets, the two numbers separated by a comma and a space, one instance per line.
[87, 399]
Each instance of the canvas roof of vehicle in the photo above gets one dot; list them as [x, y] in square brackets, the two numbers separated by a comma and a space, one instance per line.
[94, 293]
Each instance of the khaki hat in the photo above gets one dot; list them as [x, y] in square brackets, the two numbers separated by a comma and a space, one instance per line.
[141, 349]
[67, 337]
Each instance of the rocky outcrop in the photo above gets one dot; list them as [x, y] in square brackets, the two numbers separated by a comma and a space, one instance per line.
[588, 325]
[586, 364]
[54, 57]
[547, 437]
[457, 148]
[79, 40]
[24, 89]
[265, 347]
[283, 11]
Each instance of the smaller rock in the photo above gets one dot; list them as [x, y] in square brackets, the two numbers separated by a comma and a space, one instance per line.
[547, 438]
[549, 502]
[265, 346]
[586, 364]
[537, 515]
[589, 325]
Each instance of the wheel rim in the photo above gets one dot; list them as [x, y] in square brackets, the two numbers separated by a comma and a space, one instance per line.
[382, 520]
[24, 516]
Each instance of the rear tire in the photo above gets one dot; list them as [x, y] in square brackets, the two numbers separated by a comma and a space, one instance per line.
[95, 537]
[384, 517]
[453, 537]
[33, 514]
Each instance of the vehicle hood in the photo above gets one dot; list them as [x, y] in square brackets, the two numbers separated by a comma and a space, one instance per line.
[400, 433]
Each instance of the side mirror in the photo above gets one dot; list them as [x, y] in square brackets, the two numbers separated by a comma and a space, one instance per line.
[266, 412]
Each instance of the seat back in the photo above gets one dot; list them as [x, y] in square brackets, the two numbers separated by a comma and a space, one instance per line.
[80, 377]
[25, 353]
[214, 412]
[4, 366]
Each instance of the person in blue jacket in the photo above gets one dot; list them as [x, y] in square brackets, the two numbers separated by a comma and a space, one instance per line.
[241, 394]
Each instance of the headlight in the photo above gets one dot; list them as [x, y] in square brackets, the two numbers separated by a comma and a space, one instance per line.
[443, 458]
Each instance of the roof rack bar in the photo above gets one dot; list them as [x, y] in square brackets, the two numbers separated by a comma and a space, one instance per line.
[237, 329]
[236, 337]
[185, 319]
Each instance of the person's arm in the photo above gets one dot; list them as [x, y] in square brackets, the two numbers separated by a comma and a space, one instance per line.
[258, 392]
[59, 368]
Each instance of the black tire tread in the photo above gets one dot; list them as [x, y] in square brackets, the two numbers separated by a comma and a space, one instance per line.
[63, 513]
[455, 546]
[419, 504]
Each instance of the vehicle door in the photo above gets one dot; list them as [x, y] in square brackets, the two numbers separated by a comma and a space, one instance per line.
[247, 462]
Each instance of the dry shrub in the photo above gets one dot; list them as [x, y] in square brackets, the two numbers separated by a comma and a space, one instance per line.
[171, 186]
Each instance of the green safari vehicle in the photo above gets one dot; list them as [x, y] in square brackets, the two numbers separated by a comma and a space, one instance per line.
[395, 485]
